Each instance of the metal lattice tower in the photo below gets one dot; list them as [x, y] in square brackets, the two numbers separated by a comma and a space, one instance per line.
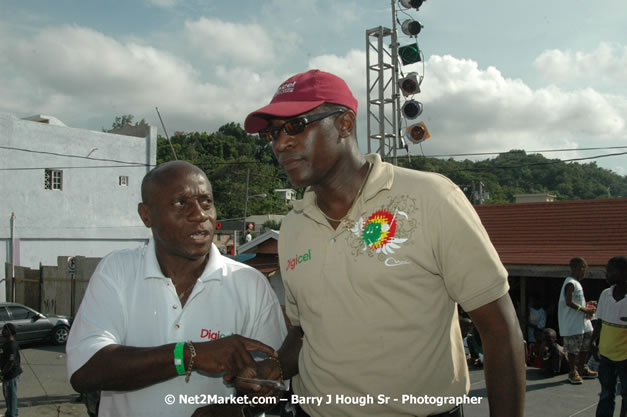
[383, 99]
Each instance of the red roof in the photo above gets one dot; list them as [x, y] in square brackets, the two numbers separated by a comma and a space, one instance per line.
[552, 233]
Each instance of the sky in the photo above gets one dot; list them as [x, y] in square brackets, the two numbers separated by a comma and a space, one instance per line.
[498, 75]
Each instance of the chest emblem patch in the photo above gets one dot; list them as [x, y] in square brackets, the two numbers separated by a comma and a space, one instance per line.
[378, 232]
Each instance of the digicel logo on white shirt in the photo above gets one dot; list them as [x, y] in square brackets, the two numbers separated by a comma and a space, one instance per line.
[208, 334]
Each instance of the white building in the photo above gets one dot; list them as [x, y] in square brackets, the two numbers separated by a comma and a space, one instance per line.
[287, 194]
[69, 192]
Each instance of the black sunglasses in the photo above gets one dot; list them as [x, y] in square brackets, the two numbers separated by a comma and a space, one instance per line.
[295, 126]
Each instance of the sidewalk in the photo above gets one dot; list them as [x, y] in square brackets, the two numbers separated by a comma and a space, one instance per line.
[546, 397]
[44, 390]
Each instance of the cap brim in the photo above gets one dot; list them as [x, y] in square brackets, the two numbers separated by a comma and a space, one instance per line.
[257, 120]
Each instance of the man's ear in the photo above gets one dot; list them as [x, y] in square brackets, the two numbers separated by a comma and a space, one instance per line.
[144, 214]
[346, 123]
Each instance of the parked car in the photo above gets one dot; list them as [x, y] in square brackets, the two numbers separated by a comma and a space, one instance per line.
[32, 326]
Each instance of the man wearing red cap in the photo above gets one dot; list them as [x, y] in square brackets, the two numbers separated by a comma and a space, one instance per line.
[375, 259]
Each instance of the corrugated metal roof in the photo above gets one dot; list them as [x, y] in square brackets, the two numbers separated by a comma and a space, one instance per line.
[552, 233]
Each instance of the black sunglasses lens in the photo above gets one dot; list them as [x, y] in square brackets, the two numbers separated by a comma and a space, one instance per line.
[295, 126]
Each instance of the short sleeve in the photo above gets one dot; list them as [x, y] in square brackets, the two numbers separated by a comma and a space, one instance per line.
[100, 320]
[269, 324]
[470, 266]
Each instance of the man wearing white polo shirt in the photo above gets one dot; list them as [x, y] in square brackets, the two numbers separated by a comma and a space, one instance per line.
[174, 320]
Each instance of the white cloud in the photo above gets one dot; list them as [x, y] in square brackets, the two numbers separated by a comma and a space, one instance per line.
[351, 68]
[82, 61]
[221, 41]
[470, 109]
[76, 73]
[85, 71]
[607, 63]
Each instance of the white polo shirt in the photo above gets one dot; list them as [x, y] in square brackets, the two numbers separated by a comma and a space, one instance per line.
[130, 302]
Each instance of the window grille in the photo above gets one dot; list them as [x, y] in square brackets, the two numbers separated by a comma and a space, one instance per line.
[53, 179]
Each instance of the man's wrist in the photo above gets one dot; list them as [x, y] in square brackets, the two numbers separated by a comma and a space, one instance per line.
[179, 361]
[277, 364]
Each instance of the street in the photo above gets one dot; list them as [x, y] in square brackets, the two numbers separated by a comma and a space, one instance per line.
[44, 390]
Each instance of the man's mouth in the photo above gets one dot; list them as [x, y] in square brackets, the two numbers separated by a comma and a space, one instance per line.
[289, 163]
[199, 235]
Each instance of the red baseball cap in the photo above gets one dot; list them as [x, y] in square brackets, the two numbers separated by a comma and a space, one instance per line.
[299, 94]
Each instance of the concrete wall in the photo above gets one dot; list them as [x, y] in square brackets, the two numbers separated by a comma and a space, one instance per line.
[55, 289]
[93, 214]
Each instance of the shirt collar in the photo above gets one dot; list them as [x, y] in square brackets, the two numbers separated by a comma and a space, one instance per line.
[381, 178]
[214, 270]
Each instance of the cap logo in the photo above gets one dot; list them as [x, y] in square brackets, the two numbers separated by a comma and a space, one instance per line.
[286, 88]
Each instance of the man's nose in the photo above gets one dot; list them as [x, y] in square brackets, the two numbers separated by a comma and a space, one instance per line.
[197, 213]
[283, 142]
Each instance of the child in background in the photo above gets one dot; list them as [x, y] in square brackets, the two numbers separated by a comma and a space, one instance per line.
[553, 357]
[612, 311]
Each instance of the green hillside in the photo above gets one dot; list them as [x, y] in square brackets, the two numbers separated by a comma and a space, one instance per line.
[229, 155]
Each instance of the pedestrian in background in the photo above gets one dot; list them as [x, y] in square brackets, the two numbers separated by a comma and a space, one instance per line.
[537, 318]
[612, 311]
[10, 367]
[575, 328]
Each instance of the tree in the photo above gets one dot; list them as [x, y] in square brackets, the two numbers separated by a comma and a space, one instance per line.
[126, 119]
[227, 154]
[271, 225]
[121, 121]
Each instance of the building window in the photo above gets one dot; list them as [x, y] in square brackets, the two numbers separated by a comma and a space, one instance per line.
[123, 180]
[53, 179]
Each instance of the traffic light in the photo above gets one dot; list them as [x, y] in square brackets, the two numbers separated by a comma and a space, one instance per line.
[409, 54]
[412, 109]
[411, 27]
[410, 84]
[412, 4]
[417, 132]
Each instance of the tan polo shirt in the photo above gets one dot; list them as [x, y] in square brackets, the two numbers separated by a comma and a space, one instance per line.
[377, 302]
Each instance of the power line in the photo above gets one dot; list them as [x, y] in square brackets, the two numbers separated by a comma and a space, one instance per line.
[74, 167]
[528, 152]
[553, 162]
[140, 164]
[130, 164]
[72, 156]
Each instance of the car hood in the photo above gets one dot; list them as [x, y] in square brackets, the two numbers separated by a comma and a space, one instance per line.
[55, 317]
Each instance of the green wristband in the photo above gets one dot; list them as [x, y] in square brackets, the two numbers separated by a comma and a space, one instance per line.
[179, 363]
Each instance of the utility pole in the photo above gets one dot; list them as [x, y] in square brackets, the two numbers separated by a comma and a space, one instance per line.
[479, 196]
[246, 201]
[13, 257]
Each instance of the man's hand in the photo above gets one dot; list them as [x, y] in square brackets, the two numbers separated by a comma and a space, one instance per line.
[266, 369]
[228, 355]
[219, 410]
[124, 368]
[589, 311]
